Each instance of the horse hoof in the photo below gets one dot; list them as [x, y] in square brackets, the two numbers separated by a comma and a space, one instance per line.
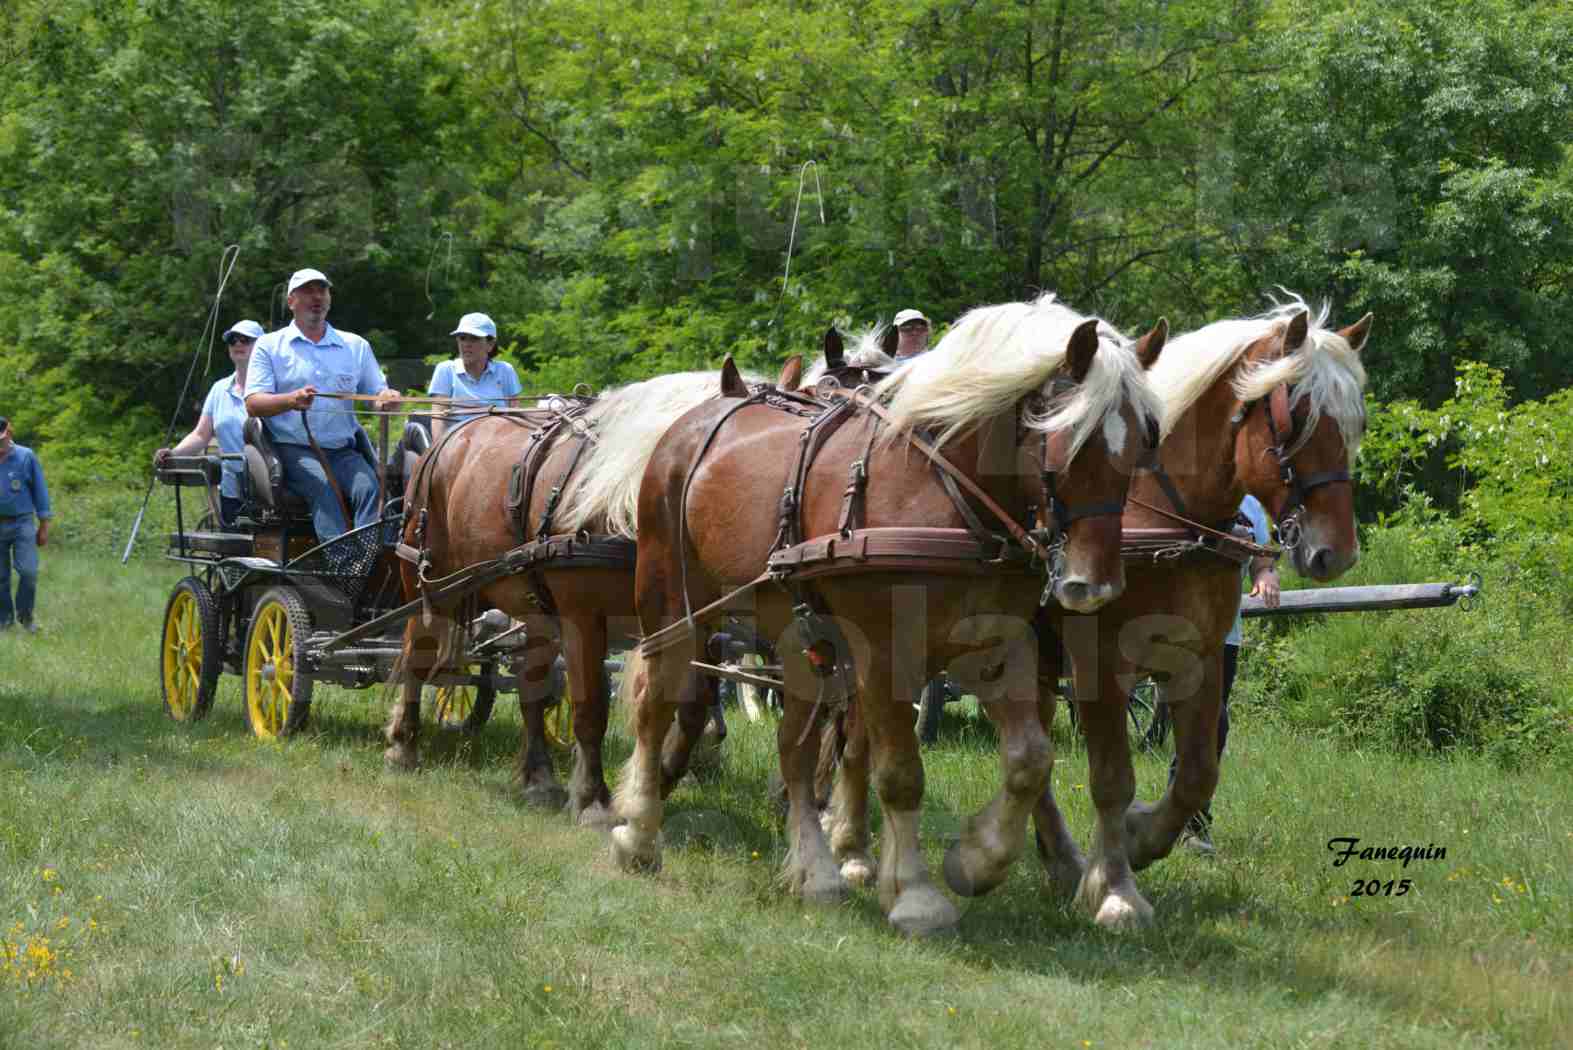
[1063, 877]
[965, 882]
[403, 759]
[595, 815]
[1118, 913]
[858, 871]
[545, 796]
[923, 911]
[824, 888]
[632, 855]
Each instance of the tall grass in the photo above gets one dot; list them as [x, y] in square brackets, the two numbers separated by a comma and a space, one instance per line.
[174, 886]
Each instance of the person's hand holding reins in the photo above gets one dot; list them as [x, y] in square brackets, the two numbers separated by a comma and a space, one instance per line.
[301, 399]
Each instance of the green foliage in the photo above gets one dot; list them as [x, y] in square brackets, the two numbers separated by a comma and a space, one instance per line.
[141, 138]
[1410, 158]
[1513, 469]
[1491, 678]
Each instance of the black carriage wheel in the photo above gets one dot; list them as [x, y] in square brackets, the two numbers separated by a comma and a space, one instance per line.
[465, 708]
[931, 710]
[191, 652]
[277, 691]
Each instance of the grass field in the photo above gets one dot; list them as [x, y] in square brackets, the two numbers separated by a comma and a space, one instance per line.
[173, 886]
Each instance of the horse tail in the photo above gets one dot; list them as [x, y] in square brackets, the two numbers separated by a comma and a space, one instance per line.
[631, 687]
[832, 745]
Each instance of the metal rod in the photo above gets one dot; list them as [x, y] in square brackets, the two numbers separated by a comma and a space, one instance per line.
[1361, 599]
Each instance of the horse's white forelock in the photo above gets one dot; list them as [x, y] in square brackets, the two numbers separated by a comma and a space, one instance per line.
[867, 352]
[995, 355]
[627, 422]
[1325, 369]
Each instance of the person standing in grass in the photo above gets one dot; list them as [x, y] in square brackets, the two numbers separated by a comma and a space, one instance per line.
[23, 498]
[1197, 835]
[475, 375]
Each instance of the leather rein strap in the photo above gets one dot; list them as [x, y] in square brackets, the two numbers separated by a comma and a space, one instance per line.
[327, 469]
[1019, 534]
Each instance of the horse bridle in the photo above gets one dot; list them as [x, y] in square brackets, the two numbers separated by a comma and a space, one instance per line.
[1058, 516]
[1287, 442]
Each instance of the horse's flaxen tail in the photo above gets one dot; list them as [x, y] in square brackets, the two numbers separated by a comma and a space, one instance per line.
[832, 744]
[635, 669]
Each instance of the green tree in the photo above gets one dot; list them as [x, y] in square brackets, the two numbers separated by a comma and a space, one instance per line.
[142, 136]
[1411, 158]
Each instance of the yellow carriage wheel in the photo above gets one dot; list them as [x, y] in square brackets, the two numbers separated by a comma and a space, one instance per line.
[277, 690]
[465, 708]
[191, 652]
[559, 721]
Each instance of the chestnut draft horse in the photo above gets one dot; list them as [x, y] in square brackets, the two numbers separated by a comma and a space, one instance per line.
[1034, 407]
[1272, 406]
[580, 480]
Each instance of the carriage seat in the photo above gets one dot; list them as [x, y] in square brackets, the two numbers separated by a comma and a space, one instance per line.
[406, 453]
[264, 474]
[417, 439]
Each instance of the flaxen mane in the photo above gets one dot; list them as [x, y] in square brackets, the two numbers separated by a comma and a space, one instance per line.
[1325, 369]
[995, 355]
[626, 423]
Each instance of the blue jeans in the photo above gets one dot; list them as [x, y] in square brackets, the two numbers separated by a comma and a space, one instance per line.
[1231, 662]
[19, 547]
[356, 477]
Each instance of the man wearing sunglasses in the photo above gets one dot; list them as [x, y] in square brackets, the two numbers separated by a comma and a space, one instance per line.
[23, 495]
[223, 417]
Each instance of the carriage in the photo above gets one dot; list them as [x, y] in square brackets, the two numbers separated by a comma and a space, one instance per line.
[265, 601]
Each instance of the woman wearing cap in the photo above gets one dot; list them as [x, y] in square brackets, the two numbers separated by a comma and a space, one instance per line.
[474, 375]
[223, 417]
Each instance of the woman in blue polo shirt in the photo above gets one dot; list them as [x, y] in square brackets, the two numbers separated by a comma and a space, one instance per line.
[224, 417]
[474, 375]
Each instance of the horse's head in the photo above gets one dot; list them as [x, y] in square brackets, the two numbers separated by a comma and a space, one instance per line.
[1298, 420]
[1094, 422]
[1074, 394]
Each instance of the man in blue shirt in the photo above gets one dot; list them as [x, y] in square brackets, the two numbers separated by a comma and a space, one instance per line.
[474, 375]
[289, 368]
[1197, 836]
[23, 495]
[224, 418]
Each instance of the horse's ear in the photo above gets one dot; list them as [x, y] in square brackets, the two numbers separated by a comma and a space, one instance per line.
[1083, 345]
[1299, 328]
[1149, 346]
[732, 384]
[1358, 332]
[835, 350]
[791, 374]
[887, 341]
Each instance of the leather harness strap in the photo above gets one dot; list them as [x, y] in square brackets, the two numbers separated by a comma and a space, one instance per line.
[1019, 534]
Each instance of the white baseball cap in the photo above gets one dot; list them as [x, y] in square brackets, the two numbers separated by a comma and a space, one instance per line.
[477, 325]
[300, 277]
[249, 329]
[909, 315]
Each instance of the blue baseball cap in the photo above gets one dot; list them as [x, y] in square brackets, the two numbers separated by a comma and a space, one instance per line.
[249, 329]
[477, 325]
